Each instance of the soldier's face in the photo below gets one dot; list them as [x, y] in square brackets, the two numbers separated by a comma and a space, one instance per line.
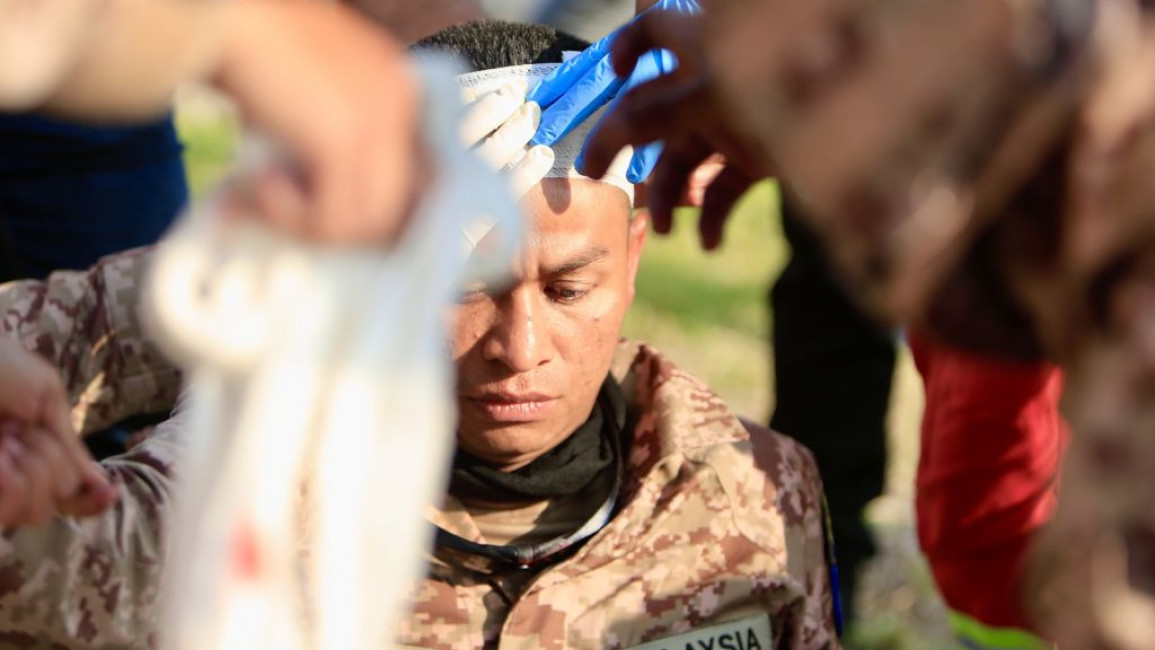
[531, 359]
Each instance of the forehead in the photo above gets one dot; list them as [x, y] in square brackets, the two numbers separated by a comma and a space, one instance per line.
[575, 210]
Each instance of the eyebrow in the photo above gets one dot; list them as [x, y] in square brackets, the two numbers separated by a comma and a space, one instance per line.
[578, 261]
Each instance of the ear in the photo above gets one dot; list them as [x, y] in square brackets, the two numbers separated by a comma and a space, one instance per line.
[638, 228]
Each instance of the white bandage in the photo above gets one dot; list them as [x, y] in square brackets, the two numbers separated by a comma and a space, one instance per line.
[498, 125]
[565, 150]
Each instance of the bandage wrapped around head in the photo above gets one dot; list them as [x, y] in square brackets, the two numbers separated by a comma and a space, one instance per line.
[499, 124]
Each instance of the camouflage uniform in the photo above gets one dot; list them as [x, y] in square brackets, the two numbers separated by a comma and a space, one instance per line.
[716, 525]
[92, 583]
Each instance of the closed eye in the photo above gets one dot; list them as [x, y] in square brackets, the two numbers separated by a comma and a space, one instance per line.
[566, 295]
[472, 291]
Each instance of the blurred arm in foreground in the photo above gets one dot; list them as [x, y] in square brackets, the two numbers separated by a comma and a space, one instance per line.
[993, 196]
[329, 87]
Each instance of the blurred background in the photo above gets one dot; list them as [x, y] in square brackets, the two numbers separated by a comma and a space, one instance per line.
[709, 312]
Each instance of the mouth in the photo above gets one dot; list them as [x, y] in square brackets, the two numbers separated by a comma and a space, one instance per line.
[513, 407]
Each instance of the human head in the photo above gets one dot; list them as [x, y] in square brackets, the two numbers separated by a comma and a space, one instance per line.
[532, 356]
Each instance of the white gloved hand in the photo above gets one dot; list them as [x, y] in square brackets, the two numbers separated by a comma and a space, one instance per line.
[499, 125]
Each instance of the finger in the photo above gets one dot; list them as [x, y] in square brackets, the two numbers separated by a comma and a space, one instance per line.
[63, 473]
[12, 482]
[643, 161]
[263, 196]
[682, 101]
[64, 452]
[644, 158]
[30, 388]
[729, 186]
[339, 205]
[650, 65]
[531, 169]
[11, 487]
[491, 111]
[665, 30]
[700, 179]
[588, 94]
[38, 491]
[736, 151]
[55, 407]
[52, 474]
[560, 81]
[78, 456]
[669, 179]
[281, 200]
[96, 493]
[510, 140]
[633, 122]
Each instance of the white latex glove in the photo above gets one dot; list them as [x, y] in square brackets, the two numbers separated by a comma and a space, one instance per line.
[499, 125]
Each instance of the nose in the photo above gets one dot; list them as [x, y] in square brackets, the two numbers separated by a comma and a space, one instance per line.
[519, 337]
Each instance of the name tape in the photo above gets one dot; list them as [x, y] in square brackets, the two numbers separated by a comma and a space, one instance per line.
[746, 634]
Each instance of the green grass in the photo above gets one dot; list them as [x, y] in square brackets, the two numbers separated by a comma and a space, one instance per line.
[701, 289]
[708, 310]
[210, 136]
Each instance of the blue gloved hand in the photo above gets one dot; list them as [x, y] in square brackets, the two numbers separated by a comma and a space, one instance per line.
[587, 82]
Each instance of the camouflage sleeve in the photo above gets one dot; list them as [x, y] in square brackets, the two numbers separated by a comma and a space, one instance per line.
[93, 583]
[87, 323]
[795, 486]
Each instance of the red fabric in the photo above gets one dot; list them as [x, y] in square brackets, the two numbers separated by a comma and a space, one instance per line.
[992, 441]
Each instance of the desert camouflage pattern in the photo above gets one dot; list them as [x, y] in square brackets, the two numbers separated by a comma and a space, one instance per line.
[88, 324]
[93, 583]
[716, 524]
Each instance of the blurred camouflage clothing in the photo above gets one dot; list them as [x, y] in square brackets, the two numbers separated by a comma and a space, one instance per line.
[87, 324]
[93, 582]
[719, 535]
[715, 525]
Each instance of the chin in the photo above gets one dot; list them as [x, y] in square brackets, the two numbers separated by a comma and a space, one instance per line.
[509, 443]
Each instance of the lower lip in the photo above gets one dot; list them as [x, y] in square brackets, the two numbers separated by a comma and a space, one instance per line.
[515, 411]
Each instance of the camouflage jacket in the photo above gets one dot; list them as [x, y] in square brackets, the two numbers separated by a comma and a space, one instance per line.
[715, 525]
[92, 583]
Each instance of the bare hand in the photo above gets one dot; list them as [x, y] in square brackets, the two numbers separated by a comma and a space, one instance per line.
[31, 390]
[337, 94]
[681, 109]
[44, 467]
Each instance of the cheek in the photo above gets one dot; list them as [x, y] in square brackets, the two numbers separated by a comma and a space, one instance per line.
[466, 326]
[607, 312]
[591, 335]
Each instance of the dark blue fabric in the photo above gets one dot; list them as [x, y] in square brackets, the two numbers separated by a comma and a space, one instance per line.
[71, 193]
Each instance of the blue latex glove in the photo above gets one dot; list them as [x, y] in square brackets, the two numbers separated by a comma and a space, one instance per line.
[587, 82]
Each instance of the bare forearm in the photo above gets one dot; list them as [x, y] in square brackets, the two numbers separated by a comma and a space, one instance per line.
[113, 59]
[135, 55]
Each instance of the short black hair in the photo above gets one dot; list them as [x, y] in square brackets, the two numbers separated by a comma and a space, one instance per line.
[490, 44]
